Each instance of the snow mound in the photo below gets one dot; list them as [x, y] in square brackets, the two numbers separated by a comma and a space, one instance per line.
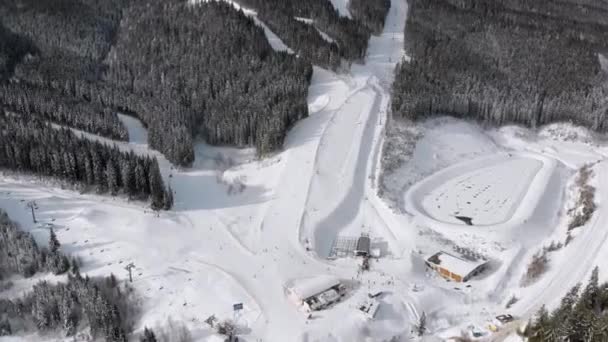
[566, 132]
[447, 141]
[318, 104]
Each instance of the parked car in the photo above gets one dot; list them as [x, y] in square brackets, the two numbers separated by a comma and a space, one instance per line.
[506, 318]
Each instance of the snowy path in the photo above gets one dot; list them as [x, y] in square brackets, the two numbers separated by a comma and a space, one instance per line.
[580, 257]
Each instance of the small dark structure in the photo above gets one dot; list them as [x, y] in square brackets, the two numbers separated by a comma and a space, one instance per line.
[504, 319]
[363, 245]
[467, 220]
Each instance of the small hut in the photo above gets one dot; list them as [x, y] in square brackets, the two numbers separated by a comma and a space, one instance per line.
[363, 245]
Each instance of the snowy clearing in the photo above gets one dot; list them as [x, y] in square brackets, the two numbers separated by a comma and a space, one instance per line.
[342, 7]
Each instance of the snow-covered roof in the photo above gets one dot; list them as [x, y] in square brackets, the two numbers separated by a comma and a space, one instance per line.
[308, 287]
[455, 264]
[363, 244]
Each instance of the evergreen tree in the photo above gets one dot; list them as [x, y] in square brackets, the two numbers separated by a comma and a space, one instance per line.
[53, 242]
[421, 326]
[148, 336]
[168, 199]
[75, 267]
[5, 327]
[580, 317]
[590, 298]
[111, 178]
[157, 191]
[31, 145]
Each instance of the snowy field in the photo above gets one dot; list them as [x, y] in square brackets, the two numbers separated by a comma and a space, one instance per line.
[243, 229]
[484, 191]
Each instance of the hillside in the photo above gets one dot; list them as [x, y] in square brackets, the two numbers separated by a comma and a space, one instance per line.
[502, 62]
[314, 171]
[187, 72]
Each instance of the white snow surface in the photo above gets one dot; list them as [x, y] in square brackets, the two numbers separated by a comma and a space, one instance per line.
[482, 189]
[243, 229]
[342, 6]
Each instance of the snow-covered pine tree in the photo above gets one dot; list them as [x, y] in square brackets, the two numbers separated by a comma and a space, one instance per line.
[148, 336]
[157, 190]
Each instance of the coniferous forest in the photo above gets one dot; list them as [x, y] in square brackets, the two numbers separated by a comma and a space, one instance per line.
[33, 146]
[581, 316]
[186, 71]
[372, 13]
[350, 36]
[21, 255]
[101, 304]
[505, 61]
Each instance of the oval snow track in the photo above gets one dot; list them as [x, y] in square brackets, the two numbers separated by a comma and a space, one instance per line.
[490, 191]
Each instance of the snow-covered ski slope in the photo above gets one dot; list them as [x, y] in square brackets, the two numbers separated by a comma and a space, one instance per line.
[243, 229]
[237, 231]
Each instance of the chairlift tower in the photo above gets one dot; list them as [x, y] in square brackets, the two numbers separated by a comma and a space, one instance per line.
[129, 268]
[236, 312]
[32, 205]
